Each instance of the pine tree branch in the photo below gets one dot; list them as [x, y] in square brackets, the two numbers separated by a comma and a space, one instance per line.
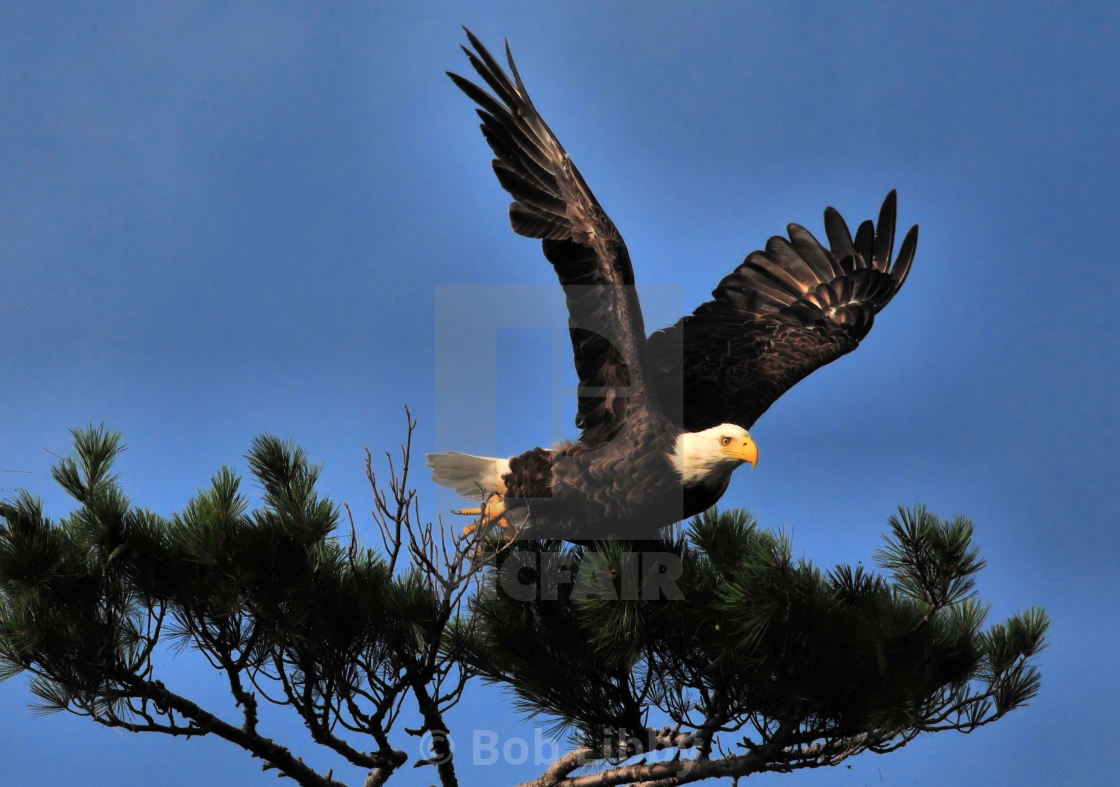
[246, 700]
[664, 738]
[668, 773]
[443, 756]
[110, 718]
[672, 772]
[317, 720]
[273, 754]
[562, 767]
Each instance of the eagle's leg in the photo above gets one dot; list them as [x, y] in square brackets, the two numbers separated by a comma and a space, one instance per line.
[489, 513]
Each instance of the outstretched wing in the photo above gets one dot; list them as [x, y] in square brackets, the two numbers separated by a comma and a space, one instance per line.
[783, 313]
[552, 202]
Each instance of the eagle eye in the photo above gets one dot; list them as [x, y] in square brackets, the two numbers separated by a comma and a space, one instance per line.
[724, 440]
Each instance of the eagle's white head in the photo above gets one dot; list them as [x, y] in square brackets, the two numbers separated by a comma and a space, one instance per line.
[710, 456]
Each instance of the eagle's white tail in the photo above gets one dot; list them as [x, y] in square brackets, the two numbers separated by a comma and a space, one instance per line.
[469, 475]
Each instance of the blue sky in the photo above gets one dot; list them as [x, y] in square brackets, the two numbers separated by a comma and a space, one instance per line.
[218, 221]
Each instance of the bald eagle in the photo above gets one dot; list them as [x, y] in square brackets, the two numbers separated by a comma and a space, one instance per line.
[663, 419]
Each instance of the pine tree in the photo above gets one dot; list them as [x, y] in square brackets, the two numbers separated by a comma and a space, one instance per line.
[713, 645]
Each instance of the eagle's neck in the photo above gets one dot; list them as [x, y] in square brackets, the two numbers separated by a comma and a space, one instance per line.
[698, 464]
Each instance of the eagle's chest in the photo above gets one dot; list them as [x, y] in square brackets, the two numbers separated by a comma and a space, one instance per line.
[702, 496]
[630, 466]
[621, 485]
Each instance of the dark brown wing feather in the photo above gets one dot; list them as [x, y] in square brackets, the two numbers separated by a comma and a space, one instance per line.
[782, 314]
[552, 202]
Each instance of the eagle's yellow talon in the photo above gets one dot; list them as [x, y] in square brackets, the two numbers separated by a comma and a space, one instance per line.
[491, 512]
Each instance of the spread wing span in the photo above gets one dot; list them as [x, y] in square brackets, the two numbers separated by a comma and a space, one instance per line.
[552, 202]
[783, 313]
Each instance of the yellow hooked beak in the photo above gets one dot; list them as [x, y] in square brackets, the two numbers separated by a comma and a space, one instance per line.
[744, 450]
